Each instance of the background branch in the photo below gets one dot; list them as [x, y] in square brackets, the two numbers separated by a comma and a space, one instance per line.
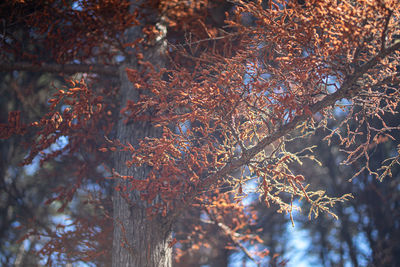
[59, 68]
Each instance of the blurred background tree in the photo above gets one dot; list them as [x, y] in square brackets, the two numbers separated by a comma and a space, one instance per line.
[366, 232]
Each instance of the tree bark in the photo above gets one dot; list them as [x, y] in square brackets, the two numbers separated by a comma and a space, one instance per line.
[138, 240]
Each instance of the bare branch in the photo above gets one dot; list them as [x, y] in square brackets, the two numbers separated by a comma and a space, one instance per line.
[59, 68]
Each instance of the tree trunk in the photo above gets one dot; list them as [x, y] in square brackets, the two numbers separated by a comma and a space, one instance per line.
[138, 241]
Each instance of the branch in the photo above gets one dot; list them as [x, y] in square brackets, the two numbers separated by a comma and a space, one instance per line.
[233, 236]
[59, 68]
[347, 90]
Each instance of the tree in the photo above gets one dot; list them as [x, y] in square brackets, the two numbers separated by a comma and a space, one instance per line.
[210, 95]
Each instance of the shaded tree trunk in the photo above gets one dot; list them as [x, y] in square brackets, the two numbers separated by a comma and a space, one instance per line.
[138, 241]
[222, 259]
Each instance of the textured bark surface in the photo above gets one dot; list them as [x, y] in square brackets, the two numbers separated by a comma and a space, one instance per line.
[138, 241]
